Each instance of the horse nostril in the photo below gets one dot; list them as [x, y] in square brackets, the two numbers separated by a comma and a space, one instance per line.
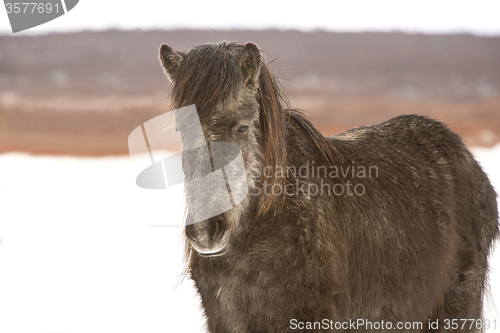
[205, 230]
[213, 228]
[191, 232]
[217, 227]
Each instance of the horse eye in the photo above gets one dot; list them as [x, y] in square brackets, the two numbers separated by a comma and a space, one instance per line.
[242, 129]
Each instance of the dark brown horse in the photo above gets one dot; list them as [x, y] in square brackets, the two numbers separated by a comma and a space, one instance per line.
[383, 227]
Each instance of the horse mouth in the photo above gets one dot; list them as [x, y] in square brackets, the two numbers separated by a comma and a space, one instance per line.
[214, 254]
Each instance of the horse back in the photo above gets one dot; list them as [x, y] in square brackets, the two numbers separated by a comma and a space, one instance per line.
[426, 221]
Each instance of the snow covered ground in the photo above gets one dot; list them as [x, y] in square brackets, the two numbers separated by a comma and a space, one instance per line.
[81, 250]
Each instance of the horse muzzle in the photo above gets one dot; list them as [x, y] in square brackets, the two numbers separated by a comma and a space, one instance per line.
[209, 238]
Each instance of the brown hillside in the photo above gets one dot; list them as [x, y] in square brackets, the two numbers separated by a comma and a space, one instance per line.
[82, 93]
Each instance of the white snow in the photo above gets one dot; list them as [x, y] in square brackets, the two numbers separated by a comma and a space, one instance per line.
[79, 251]
[424, 16]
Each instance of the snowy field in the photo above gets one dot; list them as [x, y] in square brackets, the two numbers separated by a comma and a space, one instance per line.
[83, 250]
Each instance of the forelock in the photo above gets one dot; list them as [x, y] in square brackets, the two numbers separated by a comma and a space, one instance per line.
[208, 76]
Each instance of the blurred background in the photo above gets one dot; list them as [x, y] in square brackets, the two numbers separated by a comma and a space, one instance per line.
[79, 84]
[77, 251]
[82, 93]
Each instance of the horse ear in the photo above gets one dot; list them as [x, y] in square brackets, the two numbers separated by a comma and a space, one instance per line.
[170, 60]
[250, 61]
